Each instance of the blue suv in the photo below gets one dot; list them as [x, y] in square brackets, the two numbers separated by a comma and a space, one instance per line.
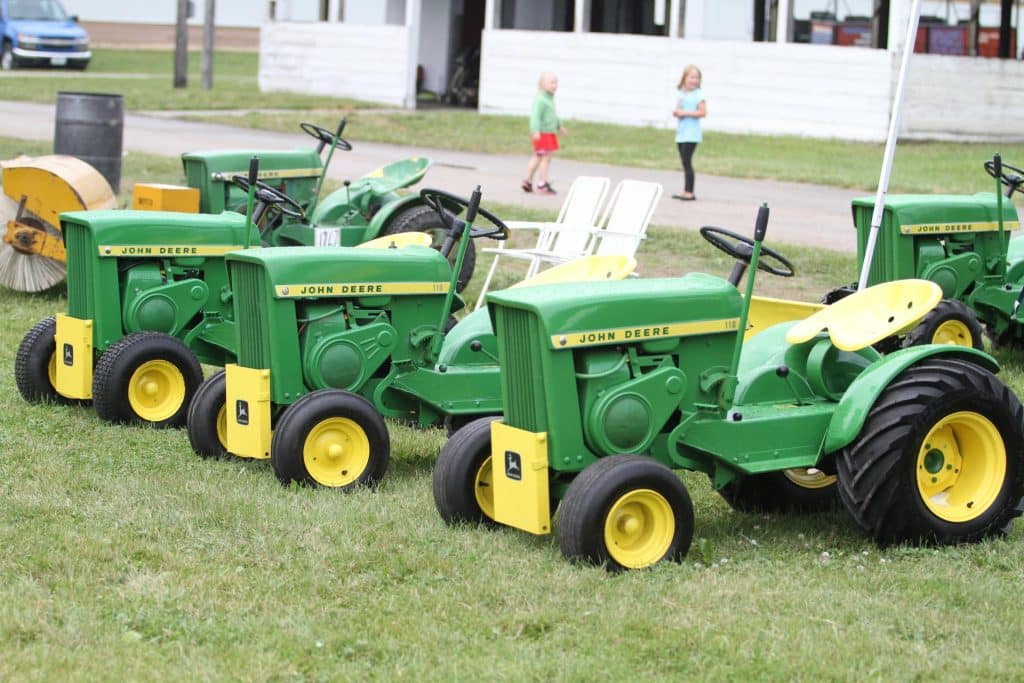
[41, 33]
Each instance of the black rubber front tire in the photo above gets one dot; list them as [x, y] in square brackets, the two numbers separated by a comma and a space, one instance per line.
[146, 378]
[35, 364]
[420, 218]
[880, 472]
[7, 59]
[331, 438]
[207, 422]
[950, 322]
[791, 491]
[594, 501]
[462, 481]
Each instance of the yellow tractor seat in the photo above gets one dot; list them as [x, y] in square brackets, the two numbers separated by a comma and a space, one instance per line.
[870, 315]
[584, 269]
[399, 241]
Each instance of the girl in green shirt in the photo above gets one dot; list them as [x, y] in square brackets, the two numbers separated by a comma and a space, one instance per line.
[544, 129]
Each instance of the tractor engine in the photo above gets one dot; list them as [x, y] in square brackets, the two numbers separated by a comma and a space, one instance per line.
[622, 373]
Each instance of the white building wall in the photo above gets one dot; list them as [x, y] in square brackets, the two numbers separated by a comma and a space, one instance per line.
[435, 42]
[820, 91]
[331, 59]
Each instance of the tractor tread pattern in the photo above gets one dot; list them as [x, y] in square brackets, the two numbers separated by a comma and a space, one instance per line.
[422, 218]
[878, 487]
[32, 361]
[455, 474]
[202, 417]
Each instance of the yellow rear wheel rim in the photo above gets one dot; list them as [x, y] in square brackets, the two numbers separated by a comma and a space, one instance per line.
[156, 390]
[483, 488]
[639, 528]
[961, 467]
[953, 332]
[336, 452]
[809, 478]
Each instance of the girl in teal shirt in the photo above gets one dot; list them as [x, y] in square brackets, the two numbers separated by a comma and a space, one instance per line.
[690, 109]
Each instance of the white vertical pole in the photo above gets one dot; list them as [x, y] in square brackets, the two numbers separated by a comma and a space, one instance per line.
[412, 25]
[333, 10]
[782, 15]
[673, 18]
[579, 14]
[491, 7]
[890, 144]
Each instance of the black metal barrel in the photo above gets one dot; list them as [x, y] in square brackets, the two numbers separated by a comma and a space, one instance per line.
[90, 126]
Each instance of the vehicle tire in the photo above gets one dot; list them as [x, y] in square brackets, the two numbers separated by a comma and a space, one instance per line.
[146, 378]
[422, 218]
[950, 322]
[939, 458]
[331, 438]
[207, 419]
[463, 490]
[35, 365]
[7, 59]
[790, 491]
[625, 512]
[78, 64]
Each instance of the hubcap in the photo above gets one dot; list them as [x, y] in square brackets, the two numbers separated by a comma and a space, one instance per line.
[810, 478]
[336, 452]
[639, 528]
[51, 369]
[222, 426]
[953, 332]
[961, 466]
[156, 390]
[483, 488]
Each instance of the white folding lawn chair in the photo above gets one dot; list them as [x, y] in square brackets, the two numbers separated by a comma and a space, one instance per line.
[567, 236]
[625, 222]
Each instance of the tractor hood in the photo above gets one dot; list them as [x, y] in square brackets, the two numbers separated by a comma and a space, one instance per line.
[298, 272]
[628, 311]
[273, 164]
[161, 233]
[938, 214]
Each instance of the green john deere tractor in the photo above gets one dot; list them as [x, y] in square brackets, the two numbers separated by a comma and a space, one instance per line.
[362, 210]
[607, 391]
[332, 341]
[960, 242]
[148, 301]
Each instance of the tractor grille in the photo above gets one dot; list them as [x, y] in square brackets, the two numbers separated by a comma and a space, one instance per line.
[251, 311]
[522, 380]
[78, 243]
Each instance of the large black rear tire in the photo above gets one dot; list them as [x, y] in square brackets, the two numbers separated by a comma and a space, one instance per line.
[940, 458]
[420, 218]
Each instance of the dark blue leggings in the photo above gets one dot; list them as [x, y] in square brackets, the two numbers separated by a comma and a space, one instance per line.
[686, 150]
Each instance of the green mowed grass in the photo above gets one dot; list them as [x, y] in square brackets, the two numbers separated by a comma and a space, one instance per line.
[128, 557]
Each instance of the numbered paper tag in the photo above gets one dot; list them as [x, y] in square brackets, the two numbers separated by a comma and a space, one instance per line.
[328, 237]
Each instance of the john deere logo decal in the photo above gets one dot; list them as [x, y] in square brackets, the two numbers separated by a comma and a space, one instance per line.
[513, 466]
[69, 355]
[242, 412]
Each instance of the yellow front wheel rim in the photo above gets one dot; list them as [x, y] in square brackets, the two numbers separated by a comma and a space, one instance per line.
[809, 478]
[51, 370]
[483, 488]
[961, 466]
[336, 452]
[953, 332]
[639, 528]
[222, 426]
[156, 390]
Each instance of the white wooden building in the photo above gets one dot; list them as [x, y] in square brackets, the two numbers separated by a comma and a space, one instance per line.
[619, 61]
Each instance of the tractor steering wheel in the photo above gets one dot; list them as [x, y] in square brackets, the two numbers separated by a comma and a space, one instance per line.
[436, 200]
[1014, 179]
[324, 136]
[742, 248]
[271, 196]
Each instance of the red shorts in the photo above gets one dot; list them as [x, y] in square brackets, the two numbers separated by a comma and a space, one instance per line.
[545, 143]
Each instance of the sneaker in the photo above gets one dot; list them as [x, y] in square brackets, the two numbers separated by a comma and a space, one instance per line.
[527, 186]
[545, 188]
